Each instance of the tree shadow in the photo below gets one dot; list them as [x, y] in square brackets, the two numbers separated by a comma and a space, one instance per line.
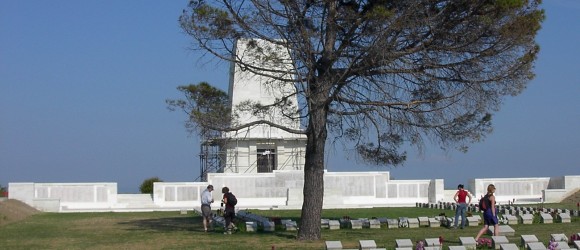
[166, 224]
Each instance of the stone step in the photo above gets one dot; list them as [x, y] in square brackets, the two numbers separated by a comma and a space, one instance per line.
[135, 201]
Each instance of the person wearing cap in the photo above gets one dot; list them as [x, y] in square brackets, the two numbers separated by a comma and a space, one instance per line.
[461, 199]
[206, 201]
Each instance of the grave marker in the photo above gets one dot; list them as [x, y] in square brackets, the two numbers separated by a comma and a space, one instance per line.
[403, 243]
[413, 223]
[367, 244]
[564, 218]
[334, 244]
[468, 242]
[546, 218]
[333, 224]
[509, 246]
[496, 241]
[526, 218]
[536, 246]
[528, 238]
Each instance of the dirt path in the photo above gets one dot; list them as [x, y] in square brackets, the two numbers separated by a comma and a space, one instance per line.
[14, 210]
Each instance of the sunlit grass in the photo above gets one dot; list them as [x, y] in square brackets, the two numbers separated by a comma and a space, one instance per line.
[172, 230]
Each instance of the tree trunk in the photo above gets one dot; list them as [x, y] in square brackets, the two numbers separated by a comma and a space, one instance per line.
[313, 176]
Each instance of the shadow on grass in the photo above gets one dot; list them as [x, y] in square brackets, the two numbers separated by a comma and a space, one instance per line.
[166, 224]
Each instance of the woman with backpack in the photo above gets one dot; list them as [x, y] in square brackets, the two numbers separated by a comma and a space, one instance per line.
[230, 202]
[489, 213]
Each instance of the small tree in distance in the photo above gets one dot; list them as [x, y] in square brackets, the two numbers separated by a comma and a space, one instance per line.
[147, 185]
[378, 74]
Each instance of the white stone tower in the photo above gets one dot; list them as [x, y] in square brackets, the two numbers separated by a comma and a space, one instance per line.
[260, 148]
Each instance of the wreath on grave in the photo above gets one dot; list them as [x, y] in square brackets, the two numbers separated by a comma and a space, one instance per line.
[484, 243]
[553, 245]
[574, 237]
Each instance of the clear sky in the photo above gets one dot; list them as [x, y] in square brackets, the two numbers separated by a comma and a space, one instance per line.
[83, 86]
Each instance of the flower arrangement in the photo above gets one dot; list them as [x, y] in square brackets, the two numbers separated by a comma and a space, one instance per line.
[420, 245]
[553, 245]
[484, 243]
[574, 237]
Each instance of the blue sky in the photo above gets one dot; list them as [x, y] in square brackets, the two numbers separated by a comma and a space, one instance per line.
[83, 86]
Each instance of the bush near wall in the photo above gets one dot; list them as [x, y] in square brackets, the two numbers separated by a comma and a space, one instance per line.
[147, 185]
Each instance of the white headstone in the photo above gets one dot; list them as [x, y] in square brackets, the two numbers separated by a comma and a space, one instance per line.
[434, 222]
[496, 241]
[558, 237]
[333, 224]
[527, 238]
[468, 242]
[413, 222]
[423, 221]
[527, 218]
[367, 244]
[546, 218]
[504, 230]
[404, 243]
[334, 244]
[509, 246]
[536, 246]
[432, 242]
[564, 218]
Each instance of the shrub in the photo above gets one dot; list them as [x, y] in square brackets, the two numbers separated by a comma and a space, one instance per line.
[3, 191]
[147, 185]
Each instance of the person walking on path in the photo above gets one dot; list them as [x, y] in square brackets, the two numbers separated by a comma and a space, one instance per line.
[206, 201]
[230, 201]
[489, 214]
[461, 199]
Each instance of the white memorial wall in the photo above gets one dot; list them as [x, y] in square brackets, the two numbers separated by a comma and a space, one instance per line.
[280, 190]
[56, 197]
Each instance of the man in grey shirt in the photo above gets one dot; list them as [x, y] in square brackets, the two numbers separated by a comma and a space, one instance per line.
[206, 201]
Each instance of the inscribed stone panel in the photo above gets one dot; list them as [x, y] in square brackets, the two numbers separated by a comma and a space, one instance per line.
[42, 192]
[538, 187]
[169, 194]
[513, 188]
[424, 190]
[381, 183]
[351, 185]
[408, 190]
[102, 194]
[186, 193]
[392, 190]
[72, 193]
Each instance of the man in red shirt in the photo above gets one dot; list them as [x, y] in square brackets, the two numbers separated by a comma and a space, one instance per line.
[460, 198]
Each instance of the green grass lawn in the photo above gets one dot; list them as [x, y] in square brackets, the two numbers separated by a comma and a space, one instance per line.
[172, 230]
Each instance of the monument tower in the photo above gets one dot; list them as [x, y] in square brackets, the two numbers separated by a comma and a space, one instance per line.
[259, 148]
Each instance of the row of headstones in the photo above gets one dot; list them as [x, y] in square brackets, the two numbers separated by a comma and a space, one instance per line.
[504, 209]
[254, 220]
[402, 222]
[528, 242]
[510, 213]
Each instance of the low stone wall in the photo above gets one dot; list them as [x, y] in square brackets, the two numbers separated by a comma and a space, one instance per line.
[526, 190]
[280, 190]
[54, 197]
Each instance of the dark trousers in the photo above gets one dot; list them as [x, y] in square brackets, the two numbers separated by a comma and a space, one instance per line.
[229, 217]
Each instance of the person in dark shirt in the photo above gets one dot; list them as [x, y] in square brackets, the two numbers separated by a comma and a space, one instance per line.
[229, 211]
